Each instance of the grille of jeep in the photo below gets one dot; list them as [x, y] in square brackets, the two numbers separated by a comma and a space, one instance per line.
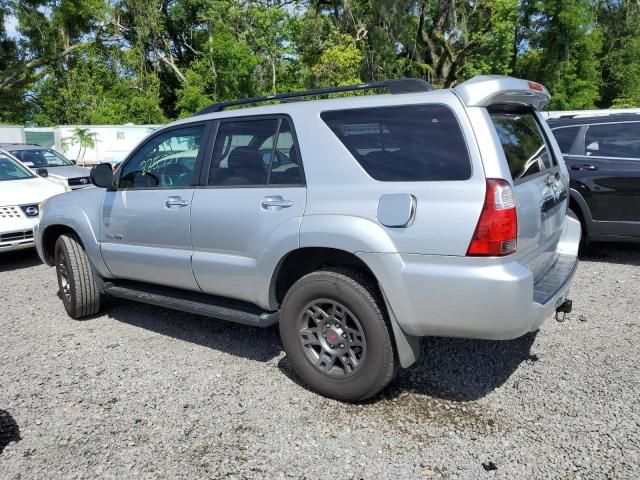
[10, 212]
[16, 236]
[79, 181]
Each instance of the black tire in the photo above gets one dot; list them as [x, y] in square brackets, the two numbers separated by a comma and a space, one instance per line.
[360, 309]
[77, 283]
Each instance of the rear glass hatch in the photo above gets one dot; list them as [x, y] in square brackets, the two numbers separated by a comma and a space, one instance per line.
[540, 190]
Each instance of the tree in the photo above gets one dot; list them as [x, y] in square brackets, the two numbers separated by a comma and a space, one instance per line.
[84, 138]
[620, 62]
[565, 44]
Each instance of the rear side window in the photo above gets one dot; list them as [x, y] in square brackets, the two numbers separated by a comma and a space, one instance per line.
[620, 140]
[566, 136]
[411, 143]
[255, 152]
[522, 142]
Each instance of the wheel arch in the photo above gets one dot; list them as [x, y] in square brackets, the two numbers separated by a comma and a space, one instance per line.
[579, 205]
[50, 236]
[304, 260]
[50, 231]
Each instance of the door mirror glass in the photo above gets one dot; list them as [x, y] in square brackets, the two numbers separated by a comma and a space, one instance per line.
[43, 172]
[102, 175]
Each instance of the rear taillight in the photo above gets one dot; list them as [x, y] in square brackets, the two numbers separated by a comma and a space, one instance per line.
[497, 230]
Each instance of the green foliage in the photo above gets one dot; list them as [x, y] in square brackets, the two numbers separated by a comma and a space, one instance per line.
[339, 62]
[146, 61]
[567, 54]
[84, 138]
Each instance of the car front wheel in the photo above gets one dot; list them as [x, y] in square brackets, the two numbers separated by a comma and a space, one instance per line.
[76, 280]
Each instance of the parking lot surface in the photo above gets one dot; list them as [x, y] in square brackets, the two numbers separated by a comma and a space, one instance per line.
[143, 392]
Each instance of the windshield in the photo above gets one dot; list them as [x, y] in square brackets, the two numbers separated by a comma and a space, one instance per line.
[41, 158]
[12, 170]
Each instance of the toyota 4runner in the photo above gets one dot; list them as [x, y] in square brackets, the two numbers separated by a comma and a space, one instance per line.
[359, 224]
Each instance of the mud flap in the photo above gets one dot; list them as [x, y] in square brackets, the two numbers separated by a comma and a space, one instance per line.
[407, 347]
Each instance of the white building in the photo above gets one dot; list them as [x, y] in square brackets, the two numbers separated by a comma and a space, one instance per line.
[112, 142]
[12, 134]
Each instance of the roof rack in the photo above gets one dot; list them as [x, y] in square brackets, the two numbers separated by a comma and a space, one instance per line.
[395, 86]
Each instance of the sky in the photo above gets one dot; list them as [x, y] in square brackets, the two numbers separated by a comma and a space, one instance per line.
[10, 25]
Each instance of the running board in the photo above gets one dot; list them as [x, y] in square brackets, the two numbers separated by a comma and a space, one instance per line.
[193, 302]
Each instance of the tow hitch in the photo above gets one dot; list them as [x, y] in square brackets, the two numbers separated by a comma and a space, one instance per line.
[564, 308]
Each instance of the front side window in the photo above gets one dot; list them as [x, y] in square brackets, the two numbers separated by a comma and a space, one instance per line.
[620, 140]
[41, 158]
[408, 143]
[523, 143]
[12, 170]
[255, 152]
[166, 161]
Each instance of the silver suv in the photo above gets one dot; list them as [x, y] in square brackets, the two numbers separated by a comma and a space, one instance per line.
[359, 224]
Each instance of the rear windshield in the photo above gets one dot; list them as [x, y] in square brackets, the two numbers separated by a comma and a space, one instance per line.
[410, 143]
[522, 142]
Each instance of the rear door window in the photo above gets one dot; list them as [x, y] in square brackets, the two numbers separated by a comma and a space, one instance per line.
[621, 140]
[523, 143]
[255, 152]
[410, 143]
[566, 136]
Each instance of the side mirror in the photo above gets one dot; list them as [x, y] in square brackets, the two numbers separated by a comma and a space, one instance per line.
[102, 175]
[42, 172]
[74, 161]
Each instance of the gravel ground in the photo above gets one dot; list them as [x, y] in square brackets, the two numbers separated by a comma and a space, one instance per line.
[144, 392]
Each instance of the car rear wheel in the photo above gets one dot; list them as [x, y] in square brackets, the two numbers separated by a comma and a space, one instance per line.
[336, 335]
[76, 280]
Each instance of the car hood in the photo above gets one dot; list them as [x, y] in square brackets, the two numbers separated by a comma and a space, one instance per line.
[28, 191]
[68, 172]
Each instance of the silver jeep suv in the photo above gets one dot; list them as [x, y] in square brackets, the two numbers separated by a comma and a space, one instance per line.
[359, 224]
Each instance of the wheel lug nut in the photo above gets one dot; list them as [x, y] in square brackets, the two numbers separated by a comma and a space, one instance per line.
[344, 335]
[342, 345]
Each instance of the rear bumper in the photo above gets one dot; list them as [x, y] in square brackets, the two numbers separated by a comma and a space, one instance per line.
[466, 297]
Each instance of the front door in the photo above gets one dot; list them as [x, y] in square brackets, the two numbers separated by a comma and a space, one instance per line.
[145, 232]
[249, 213]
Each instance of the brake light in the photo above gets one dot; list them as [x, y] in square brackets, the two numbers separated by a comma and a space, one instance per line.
[497, 230]
[536, 86]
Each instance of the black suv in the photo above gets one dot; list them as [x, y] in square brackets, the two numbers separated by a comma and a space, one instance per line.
[603, 157]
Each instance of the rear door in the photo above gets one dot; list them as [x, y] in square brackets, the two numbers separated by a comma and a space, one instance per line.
[247, 213]
[541, 187]
[611, 155]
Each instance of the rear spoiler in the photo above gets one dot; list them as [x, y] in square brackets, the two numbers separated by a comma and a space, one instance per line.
[486, 90]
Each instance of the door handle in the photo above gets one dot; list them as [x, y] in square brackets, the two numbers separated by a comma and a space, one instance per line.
[275, 203]
[175, 202]
[584, 167]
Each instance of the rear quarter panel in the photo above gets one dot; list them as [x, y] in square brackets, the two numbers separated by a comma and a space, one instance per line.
[339, 188]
